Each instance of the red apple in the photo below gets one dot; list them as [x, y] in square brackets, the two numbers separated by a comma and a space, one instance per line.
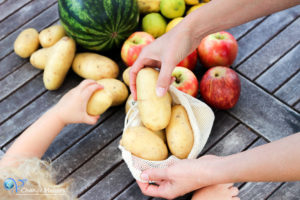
[190, 61]
[132, 47]
[218, 49]
[185, 80]
[220, 87]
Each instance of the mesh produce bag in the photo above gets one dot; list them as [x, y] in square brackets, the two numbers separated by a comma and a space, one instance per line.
[201, 118]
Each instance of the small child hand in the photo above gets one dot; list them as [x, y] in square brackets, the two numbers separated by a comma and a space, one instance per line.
[72, 106]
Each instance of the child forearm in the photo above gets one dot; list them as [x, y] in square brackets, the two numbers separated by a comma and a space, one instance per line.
[35, 140]
[276, 161]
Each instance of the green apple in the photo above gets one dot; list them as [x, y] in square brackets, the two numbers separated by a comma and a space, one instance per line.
[154, 24]
[172, 8]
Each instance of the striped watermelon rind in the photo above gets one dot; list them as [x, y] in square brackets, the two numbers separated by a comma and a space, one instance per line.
[99, 24]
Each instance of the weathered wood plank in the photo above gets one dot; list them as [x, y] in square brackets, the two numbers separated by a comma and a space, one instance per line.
[237, 140]
[223, 123]
[111, 185]
[257, 191]
[96, 168]
[297, 106]
[16, 124]
[72, 133]
[10, 7]
[23, 15]
[290, 92]
[240, 30]
[17, 79]
[272, 51]
[289, 191]
[264, 32]
[89, 145]
[20, 98]
[40, 22]
[10, 63]
[280, 71]
[132, 193]
[265, 114]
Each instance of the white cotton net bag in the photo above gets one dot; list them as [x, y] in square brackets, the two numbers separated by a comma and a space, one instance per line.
[201, 118]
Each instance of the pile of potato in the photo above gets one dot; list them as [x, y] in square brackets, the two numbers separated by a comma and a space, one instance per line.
[163, 126]
[57, 55]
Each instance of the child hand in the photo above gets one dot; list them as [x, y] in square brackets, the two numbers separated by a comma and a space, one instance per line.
[72, 106]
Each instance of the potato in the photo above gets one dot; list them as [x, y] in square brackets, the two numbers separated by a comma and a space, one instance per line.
[155, 111]
[125, 76]
[99, 102]
[114, 93]
[26, 43]
[94, 66]
[143, 143]
[117, 89]
[180, 137]
[58, 63]
[40, 57]
[51, 35]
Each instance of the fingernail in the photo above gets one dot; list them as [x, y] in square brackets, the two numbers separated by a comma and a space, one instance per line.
[145, 177]
[160, 91]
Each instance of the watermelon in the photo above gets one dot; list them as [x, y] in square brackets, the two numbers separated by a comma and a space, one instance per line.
[99, 25]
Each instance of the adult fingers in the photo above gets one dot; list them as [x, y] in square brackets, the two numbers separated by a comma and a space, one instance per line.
[136, 67]
[164, 78]
[154, 174]
[150, 189]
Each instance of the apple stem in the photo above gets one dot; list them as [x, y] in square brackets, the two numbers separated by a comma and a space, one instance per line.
[177, 78]
[219, 36]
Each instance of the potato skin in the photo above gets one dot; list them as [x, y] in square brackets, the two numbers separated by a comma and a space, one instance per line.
[180, 137]
[40, 57]
[51, 35]
[143, 143]
[99, 102]
[117, 88]
[59, 63]
[94, 66]
[125, 76]
[26, 43]
[155, 111]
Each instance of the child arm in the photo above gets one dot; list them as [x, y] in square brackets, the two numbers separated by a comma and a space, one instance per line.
[36, 139]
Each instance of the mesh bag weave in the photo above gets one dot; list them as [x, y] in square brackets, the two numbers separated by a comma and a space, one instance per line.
[201, 118]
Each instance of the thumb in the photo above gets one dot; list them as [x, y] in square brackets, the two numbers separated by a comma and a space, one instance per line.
[92, 120]
[164, 79]
[154, 174]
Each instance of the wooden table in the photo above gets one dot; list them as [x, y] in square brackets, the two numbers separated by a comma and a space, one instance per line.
[268, 64]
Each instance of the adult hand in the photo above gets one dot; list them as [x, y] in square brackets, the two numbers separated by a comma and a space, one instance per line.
[165, 53]
[182, 177]
[72, 106]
